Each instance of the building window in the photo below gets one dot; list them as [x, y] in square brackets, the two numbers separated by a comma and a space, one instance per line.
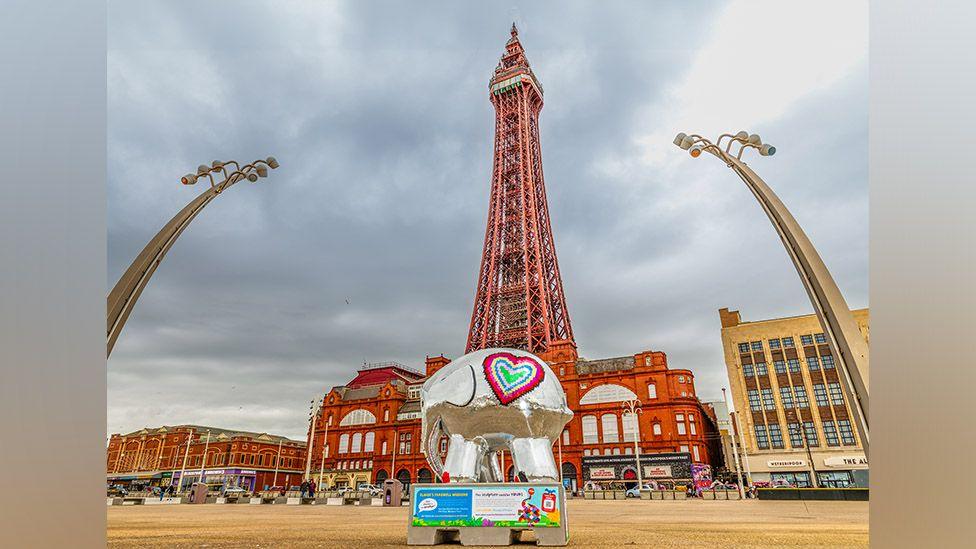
[796, 435]
[799, 480]
[830, 433]
[767, 398]
[405, 443]
[610, 433]
[562, 371]
[386, 414]
[615, 451]
[754, 400]
[679, 420]
[806, 339]
[344, 443]
[358, 417]
[656, 429]
[801, 397]
[775, 435]
[811, 432]
[586, 452]
[794, 365]
[836, 396]
[566, 437]
[820, 338]
[369, 441]
[684, 448]
[774, 344]
[681, 379]
[629, 451]
[651, 390]
[813, 364]
[748, 371]
[761, 369]
[846, 434]
[779, 366]
[647, 361]
[820, 394]
[762, 440]
[691, 424]
[694, 452]
[357, 443]
[743, 347]
[590, 435]
[607, 392]
[413, 392]
[757, 346]
[786, 397]
[828, 362]
[383, 448]
[787, 342]
[630, 427]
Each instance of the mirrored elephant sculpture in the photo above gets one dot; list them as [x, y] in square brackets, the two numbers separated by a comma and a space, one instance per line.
[489, 401]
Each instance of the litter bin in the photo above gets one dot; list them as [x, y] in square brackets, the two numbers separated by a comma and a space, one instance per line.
[198, 493]
[392, 492]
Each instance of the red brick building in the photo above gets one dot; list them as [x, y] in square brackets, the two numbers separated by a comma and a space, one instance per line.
[159, 456]
[374, 421]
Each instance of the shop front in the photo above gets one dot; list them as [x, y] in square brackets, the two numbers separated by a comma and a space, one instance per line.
[849, 471]
[832, 471]
[218, 479]
[665, 467]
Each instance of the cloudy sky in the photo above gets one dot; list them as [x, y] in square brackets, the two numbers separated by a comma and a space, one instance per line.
[364, 244]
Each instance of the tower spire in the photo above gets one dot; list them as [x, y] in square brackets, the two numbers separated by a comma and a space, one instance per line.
[519, 301]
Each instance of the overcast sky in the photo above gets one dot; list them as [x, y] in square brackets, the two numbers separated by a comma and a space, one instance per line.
[364, 245]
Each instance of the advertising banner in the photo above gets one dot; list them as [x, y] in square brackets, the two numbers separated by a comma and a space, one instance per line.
[536, 505]
[602, 473]
[702, 476]
[657, 471]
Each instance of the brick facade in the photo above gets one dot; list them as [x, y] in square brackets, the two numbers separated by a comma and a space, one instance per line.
[374, 420]
[155, 456]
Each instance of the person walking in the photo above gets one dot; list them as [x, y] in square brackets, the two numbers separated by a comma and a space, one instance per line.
[304, 488]
[311, 489]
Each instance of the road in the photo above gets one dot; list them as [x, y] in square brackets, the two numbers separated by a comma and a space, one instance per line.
[694, 523]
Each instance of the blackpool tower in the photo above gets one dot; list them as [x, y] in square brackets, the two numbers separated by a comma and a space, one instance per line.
[520, 301]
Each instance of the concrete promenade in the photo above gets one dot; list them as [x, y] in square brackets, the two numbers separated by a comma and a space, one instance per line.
[696, 523]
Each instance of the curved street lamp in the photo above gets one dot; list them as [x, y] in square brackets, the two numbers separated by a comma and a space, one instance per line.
[843, 336]
[123, 296]
[633, 407]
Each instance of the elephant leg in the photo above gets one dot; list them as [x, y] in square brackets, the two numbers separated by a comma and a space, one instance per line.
[533, 458]
[464, 458]
[491, 471]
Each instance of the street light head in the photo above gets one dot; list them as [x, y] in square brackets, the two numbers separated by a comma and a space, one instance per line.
[695, 151]
[755, 139]
[687, 142]
[217, 164]
[272, 163]
[743, 135]
[202, 169]
[767, 150]
[679, 138]
[188, 179]
[252, 177]
[262, 170]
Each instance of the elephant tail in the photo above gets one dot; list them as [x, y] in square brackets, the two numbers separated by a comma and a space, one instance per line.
[432, 444]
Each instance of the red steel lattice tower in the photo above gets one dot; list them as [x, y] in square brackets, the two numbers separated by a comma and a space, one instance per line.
[520, 301]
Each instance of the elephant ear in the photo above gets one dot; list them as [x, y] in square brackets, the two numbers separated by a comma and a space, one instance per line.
[456, 387]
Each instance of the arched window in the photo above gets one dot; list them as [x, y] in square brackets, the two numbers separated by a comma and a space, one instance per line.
[383, 450]
[610, 433]
[607, 392]
[369, 442]
[657, 429]
[344, 443]
[651, 390]
[358, 417]
[630, 427]
[386, 414]
[590, 435]
[357, 443]
[566, 436]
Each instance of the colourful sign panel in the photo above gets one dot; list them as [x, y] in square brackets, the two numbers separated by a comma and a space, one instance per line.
[537, 506]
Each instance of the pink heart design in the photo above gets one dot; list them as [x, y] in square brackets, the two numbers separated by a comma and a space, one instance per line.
[512, 376]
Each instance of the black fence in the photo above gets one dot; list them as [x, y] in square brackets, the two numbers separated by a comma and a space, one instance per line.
[828, 494]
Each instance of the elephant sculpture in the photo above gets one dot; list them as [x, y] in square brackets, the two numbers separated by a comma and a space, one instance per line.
[489, 401]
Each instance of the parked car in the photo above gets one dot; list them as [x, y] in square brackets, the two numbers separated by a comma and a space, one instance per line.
[236, 491]
[371, 488]
[781, 484]
[117, 490]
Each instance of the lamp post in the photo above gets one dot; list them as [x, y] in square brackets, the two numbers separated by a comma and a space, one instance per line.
[742, 444]
[633, 408]
[313, 416]
[129, 287]
[735, 450]
[274, 481]
[186, 454]
[846, 342]
[203, 463]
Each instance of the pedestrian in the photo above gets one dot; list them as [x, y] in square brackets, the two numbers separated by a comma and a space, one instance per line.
[311, 489]
[304, 488]
[162, 493]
